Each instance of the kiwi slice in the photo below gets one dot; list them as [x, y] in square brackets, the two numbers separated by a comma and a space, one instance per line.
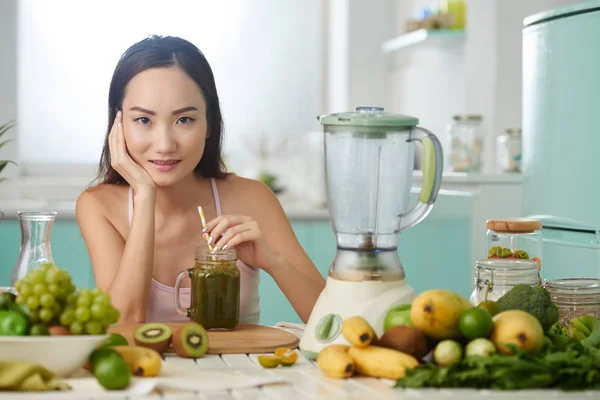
[153, 335]
[190, 341]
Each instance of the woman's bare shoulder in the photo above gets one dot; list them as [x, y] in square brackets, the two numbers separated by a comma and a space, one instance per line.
[241, 195]
[107, 200]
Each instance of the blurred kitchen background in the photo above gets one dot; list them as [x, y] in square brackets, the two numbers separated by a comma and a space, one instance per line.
[456, 65]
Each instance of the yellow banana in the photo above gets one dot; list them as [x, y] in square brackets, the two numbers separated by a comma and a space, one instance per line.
[142, 361]
[335, 362]
[381, 362]
[358, 332]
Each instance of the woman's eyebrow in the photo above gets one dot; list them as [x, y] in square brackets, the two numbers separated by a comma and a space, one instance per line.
[179, 111]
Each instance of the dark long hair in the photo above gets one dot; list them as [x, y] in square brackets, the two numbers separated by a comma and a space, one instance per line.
[161, 52]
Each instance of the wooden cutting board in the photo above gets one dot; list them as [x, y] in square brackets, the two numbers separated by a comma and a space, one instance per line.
[245, 339]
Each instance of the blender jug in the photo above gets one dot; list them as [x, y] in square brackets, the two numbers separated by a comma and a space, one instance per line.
[369, 157]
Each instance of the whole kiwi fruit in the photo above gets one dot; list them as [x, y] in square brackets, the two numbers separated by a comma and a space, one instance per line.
[406, 339]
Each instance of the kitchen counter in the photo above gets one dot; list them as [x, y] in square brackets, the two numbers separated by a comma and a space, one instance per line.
[239, 376]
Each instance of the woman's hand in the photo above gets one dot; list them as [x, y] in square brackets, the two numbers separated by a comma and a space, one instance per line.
[121, 161]
[243, 234]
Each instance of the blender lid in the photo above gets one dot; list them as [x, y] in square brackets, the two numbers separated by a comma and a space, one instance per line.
[369, 116]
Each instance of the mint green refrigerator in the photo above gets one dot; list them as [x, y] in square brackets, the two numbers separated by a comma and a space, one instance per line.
[561, 136]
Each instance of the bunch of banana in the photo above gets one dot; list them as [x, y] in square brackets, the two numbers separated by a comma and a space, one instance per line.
[142, 361]
[363, 356]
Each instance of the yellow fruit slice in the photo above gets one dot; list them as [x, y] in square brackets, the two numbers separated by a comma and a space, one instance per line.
[269, 361]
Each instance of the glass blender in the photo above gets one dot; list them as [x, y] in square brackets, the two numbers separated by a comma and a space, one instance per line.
[369, 159]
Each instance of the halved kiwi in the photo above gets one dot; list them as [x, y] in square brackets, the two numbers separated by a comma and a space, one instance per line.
[190, 341]
[153, 335]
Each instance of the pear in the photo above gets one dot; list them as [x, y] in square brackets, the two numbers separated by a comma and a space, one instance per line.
[437, 312]
[519, 328]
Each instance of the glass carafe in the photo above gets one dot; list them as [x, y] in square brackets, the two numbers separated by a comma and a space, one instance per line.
[36, 228]
[369, 157]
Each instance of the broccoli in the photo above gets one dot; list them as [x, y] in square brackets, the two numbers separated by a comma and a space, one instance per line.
[534, 300]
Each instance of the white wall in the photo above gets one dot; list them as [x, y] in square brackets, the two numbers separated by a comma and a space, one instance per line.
[482, 76]
[265, 55]
[8, 82]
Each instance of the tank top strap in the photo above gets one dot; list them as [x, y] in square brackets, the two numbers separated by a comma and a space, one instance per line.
[213, 183]
[130, 204]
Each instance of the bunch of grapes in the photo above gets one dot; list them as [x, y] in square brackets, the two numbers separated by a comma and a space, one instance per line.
[50, 297]
[88, 312]
[44, 291]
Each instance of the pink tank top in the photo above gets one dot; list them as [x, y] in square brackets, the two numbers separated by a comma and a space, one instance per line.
[160, 306]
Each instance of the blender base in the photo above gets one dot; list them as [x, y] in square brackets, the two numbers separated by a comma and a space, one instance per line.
[343, 299]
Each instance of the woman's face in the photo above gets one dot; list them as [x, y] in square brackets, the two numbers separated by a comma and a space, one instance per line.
[164, 122]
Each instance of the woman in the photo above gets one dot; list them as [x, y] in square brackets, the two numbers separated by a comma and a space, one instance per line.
[161, 160]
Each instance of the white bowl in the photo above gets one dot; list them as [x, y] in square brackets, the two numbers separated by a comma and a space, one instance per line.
[62, 355]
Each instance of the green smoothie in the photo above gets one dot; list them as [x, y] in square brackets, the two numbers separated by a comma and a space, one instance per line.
[215, 294]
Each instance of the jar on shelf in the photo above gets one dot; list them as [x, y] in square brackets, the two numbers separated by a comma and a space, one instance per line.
[515, 238]
[575, 297]
[508, 150]
[466, 143]
[495, 277]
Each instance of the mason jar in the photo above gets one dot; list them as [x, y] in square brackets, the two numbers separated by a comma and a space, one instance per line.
[215, 289]
[495, 277]
[575, 297]
[515, 238]
[466, 143]
[508, 150]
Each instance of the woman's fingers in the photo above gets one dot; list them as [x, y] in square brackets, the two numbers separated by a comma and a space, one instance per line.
[223, 242]
[219, 225]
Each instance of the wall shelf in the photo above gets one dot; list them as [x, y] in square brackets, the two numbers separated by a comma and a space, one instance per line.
[422, 36]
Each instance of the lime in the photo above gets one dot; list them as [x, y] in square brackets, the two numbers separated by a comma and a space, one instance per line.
[476, 323]
[398, 315]
[101, 354]
[111, 372]
[115, 340]
[491, 306]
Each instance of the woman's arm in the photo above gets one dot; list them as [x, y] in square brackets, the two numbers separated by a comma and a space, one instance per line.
[122, 269]
[264, 238]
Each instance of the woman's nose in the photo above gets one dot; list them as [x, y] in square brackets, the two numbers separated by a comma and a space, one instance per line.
[165, 141]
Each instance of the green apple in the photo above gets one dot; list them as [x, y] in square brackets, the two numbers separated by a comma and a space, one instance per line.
[397, 315]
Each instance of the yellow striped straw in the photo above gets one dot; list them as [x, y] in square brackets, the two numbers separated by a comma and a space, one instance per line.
[204, 225]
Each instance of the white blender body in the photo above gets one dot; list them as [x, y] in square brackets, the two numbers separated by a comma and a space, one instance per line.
[369, 157]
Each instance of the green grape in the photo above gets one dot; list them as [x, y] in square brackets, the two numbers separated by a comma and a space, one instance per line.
[85, 292]
[84, 300]
[96, 291]
[71, 299]
[45, 267]
[36, 276]
[53, 289]
[46, 300]
[76, 328]
[21, 299]
[93, 328]
[39, 288]
[46, 315]
[34, 316]
[56, 309]
[97, 311]
[102, 298]
[67, 317]
[52, 276]
[33, 302]
[18, 285]
[112, 314]
[26, 289]
[82, 314]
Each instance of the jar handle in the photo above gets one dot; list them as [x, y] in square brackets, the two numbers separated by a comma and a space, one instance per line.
[176, 300]
[433, 164]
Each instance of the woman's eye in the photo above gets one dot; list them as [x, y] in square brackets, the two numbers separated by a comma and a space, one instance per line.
[143, 120]
[185, 120]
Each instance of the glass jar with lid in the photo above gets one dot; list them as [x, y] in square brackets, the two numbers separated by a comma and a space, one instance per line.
[515, 238]
[215, 289]
[508, 150]
[495, 277]
[575, 297]
[466, 143]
